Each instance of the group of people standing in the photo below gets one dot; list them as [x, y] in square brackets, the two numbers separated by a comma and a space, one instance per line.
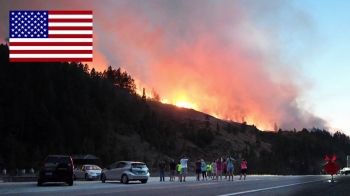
[217, 169]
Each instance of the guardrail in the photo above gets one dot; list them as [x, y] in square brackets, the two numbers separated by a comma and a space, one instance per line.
[19, 179]
[23, 178]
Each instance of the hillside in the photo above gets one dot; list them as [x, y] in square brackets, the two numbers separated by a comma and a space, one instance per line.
[66, 108]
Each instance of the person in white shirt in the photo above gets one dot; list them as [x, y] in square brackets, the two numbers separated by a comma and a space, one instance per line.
[213, 169]
[183, 162]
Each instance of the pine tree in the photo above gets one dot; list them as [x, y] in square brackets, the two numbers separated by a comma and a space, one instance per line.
[275, 127]
[143, 95]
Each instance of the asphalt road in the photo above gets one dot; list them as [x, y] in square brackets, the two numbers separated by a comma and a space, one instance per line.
[254, 185]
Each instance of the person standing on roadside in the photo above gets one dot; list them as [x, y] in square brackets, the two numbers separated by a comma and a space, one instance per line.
[230, 167]
[209, 170]
[183, 162]
[204, 170]
[219, 168]
[198, 169]
[179, 171]
[243, 168]
[224, 168]
[161, 170]
[213, 169]
[172, 168]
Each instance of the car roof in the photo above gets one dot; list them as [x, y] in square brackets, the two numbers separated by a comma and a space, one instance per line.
[130, 162]
[58, 155]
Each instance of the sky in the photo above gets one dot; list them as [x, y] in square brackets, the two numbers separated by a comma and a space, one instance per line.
[264, 62]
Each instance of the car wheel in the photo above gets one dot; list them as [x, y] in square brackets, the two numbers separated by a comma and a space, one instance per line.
[70, 182]
[125, 179]
[74, 177]
[103, 178]
[143, 181]
[87, 177]
[40, 183]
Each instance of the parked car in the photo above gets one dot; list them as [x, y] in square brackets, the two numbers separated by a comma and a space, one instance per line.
[125, 171]
[345, 170]
[56, 168]
[87, 172]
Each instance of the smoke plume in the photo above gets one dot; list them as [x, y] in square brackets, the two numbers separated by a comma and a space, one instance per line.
[231, 59]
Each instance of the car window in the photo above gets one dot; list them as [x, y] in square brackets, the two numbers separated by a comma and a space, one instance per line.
[92, 167]
[57, 160]
[95, 167]
[138, 165]
[121, 165]
[114, 165]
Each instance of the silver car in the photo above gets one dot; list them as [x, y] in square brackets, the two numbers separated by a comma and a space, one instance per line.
[125, 171]
[87, 172]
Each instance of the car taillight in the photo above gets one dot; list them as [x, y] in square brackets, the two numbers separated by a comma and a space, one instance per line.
[43, 164]
[71, 163]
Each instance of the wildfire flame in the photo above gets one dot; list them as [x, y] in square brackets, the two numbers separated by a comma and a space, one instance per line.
[181, 100]
[185, 104]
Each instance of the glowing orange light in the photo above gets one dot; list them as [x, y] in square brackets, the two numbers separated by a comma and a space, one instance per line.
[185, 104]
[180, 99]
[164, 101]
[216, 115]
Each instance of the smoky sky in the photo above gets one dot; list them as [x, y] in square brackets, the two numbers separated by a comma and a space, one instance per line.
[232, 59]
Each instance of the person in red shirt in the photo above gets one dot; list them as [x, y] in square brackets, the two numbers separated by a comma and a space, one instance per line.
[243, 168]
[219, 168]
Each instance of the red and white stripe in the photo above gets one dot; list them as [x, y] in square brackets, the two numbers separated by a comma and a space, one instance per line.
[70, 39]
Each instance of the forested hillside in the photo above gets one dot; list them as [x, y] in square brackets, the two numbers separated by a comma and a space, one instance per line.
[66, 108]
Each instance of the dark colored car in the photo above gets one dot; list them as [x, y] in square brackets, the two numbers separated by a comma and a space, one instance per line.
[56, 168]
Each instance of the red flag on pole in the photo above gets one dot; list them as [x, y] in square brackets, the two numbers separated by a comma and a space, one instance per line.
[334, 158]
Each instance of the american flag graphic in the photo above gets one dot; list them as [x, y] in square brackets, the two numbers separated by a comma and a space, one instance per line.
[50, 36]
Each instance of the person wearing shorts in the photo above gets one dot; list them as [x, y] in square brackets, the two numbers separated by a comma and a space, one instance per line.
[243, 168]
[219, 168]
[213, 169]
[179, 170]
[172, 167]
[183, 162]
[209, 170]
[230, 167]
